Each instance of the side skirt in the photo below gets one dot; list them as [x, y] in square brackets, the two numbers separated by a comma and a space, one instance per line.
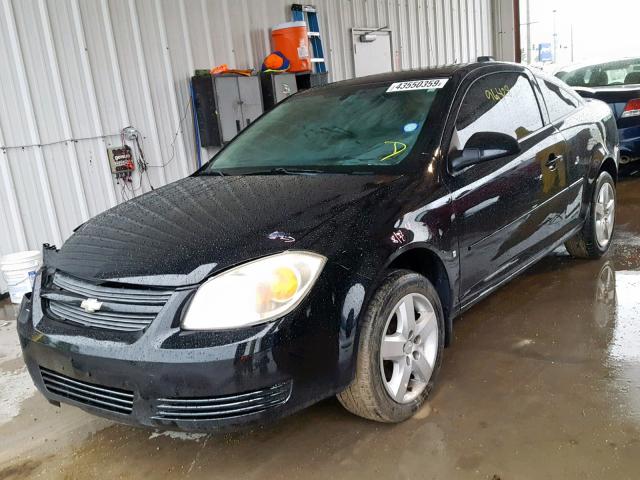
[518, 271]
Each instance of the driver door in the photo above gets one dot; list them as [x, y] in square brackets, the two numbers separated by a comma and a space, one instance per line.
[495, 201]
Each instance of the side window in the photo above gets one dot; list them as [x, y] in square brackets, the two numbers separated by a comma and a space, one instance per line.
[499, 102]
[559, 101]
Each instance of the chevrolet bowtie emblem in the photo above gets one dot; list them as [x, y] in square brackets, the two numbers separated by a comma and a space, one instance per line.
[91, 305]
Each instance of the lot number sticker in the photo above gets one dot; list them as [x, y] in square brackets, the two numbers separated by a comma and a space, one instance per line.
[417, 85]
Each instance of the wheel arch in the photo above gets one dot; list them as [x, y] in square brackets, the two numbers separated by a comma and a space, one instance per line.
[423, 260]
[601, 160]
[609, 166]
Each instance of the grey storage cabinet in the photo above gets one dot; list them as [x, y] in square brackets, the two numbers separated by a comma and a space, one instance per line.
[276, 87]
[311, 80]
[225, 105]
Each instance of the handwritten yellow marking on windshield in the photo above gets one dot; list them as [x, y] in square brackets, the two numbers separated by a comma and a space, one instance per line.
[396, 150]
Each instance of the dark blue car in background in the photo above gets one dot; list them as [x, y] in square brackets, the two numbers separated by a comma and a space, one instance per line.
[618, 84]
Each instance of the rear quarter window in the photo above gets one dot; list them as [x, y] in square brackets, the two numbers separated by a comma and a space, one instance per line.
[559, 100]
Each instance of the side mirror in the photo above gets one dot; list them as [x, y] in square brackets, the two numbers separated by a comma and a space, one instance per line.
[483, 146]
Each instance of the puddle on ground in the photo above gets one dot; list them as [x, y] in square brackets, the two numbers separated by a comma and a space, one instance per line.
[19, 384]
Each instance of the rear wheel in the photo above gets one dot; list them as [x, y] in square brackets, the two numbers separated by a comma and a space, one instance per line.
[595, 237]
[400, 350]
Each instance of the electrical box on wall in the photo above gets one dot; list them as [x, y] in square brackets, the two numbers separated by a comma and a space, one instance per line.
[121, 160]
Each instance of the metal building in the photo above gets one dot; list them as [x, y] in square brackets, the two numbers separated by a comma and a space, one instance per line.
[75, 72]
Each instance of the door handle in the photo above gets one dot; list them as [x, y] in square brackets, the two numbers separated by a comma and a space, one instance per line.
[552, 161]
[238, 125]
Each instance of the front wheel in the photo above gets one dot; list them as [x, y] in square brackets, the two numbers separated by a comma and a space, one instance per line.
[400, 350]
[594, 239]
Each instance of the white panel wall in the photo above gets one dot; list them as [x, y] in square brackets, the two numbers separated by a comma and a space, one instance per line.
[75, 72]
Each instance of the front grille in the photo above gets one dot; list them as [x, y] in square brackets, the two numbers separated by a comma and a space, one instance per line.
[124, 309]
[106, 398]
[215, 408]
[127, 295]
[112, 321]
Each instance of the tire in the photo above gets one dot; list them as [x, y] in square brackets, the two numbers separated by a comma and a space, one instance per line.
[586, 243]
[370, 393]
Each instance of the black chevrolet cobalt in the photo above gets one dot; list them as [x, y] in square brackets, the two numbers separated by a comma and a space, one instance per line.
[324, 251]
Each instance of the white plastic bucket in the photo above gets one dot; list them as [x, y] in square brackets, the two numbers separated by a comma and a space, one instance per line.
[19, 270]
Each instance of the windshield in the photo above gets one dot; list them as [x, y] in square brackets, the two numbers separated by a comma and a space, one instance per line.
[623, 72]
[346, 128]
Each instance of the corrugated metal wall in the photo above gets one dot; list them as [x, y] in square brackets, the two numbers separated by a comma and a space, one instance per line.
[75, 72]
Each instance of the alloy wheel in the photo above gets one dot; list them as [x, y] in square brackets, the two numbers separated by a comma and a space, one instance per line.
[605, 214]
[409, 348]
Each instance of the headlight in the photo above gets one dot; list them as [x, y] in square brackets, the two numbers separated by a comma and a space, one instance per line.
[253, 293]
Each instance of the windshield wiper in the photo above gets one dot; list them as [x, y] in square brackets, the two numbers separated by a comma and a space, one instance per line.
[283, 171]
[213, 172]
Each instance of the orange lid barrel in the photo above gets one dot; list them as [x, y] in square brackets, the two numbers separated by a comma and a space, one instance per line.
[292, 40]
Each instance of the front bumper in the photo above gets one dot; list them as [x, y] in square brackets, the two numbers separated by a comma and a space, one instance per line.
[195, 381]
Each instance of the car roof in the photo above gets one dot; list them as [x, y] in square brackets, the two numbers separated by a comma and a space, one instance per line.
[425, 73]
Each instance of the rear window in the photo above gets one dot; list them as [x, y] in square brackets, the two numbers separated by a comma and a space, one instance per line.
[622, 72]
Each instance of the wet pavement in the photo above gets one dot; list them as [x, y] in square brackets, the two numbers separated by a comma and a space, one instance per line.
[542, 381]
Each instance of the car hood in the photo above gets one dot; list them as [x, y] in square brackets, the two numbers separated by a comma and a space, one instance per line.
[181, 233]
